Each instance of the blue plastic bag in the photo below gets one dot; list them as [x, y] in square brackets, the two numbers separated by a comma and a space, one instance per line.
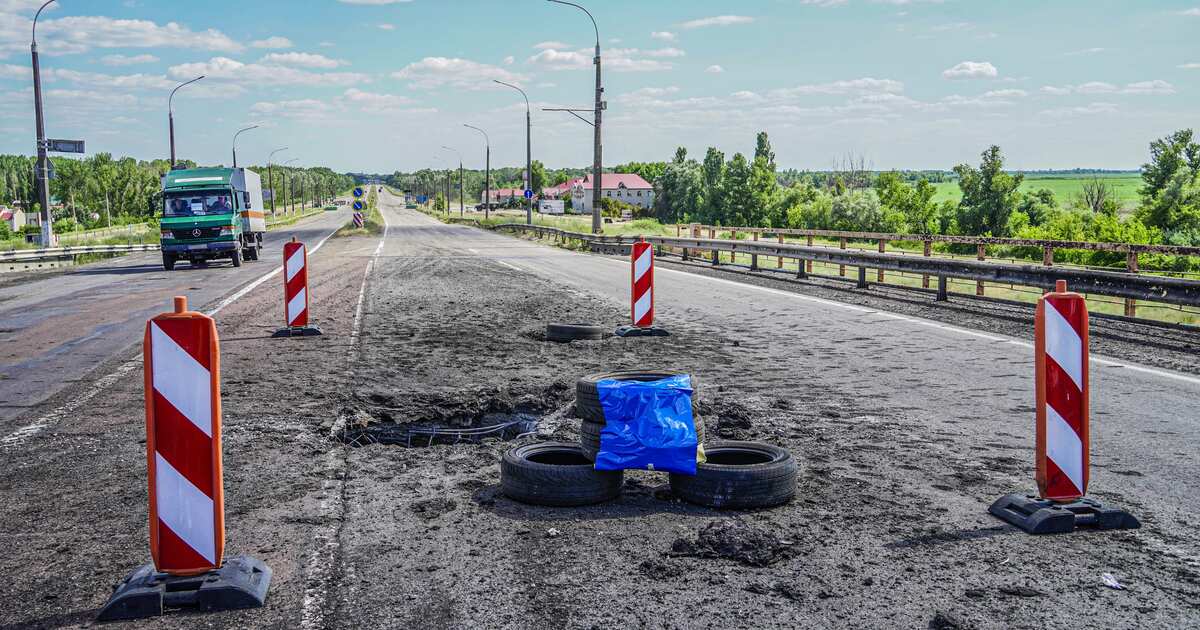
[648, 425]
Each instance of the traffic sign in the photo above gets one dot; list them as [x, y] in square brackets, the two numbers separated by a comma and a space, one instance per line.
[358, 192]
[65, 146]
[359, 205]
[528, 194]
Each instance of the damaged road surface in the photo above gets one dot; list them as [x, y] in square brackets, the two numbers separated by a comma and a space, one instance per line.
[345, 474]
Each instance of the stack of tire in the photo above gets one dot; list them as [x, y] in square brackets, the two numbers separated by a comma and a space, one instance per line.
[736, 475]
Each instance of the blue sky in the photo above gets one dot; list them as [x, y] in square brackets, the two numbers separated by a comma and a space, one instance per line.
[380, 85]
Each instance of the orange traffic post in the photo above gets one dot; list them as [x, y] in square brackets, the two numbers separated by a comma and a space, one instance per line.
[183, 455]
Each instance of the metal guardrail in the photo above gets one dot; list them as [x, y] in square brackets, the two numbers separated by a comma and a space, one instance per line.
[1118, 284]
[32, 255]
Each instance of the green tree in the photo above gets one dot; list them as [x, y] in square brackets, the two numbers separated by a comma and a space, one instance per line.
[739, 193]
[1167, 157]
[989, 195]
[763, 189]
[762, 149]
[680, 190]
[917, 212]
[537, 177]
[714, 197]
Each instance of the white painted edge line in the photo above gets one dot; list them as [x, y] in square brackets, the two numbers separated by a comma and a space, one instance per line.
[55, 415]
[513, 267]
[1098, 359]
[356, 328]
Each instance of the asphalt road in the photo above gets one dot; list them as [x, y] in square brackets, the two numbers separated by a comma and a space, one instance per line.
[906, 430]
[57, 329]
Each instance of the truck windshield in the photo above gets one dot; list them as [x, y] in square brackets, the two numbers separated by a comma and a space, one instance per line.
[197, 204]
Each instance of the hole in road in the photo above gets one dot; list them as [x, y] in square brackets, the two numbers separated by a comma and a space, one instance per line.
[470, 416]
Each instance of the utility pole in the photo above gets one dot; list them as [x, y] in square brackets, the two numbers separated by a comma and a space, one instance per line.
[171, 115]
[528, 152]
[487, 178]
[597, 147]
[43, 160]
[271, 176]
[291, 185]
[460, 182]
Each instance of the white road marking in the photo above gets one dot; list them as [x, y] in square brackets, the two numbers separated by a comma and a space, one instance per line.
[57, 414]
[513, 267]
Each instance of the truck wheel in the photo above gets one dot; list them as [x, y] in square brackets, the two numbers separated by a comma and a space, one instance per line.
[236, 257]
[168, 261]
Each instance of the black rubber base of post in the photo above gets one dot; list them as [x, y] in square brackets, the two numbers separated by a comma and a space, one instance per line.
[241, 582]
[634, 331]
[1042, 516]
[298, 331]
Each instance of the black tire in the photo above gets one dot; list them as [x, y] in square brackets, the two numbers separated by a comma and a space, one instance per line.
[589, 434]
[236, 257]
[587, 396]
[168, 261]
[556, 474]
[740, 475]
[575, 332]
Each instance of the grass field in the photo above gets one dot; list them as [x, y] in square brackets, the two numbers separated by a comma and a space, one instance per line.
[1064, 187]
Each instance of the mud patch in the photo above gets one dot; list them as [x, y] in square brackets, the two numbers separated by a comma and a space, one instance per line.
[737, 541]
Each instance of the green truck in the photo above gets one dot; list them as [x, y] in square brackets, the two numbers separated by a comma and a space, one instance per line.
[211, 213]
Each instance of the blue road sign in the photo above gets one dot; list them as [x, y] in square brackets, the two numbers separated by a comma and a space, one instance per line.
[358, 205]
[358, 192]
[528, 194]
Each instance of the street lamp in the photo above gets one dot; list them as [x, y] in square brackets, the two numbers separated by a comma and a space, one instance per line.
[460, 180]
[487, 178]
[600, 105]
[528, 151]
[43, 160]
[291, 187]
[171, 115]
[235, 137]
[271, 177]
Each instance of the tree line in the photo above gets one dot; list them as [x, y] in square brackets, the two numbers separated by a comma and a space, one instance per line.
[100, 190]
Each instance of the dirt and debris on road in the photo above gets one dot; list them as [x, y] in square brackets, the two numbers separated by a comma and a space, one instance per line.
[889, 528]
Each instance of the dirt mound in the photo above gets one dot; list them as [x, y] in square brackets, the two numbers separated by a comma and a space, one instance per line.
[737, 541]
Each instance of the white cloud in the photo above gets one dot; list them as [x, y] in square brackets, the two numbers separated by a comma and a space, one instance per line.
[435, 72]
[509, 60]
[615, 59]
[718, 20]
[303, 60]
[745, 95]
[1096, 87]
[824, 3]
[387, 27]
[1156, 86]
[1056, 91]
[127, 60]
[1085, 110]
[666, 36]
[1085, 51]
[714, 69]
[272, 42]
[865, 85]
[115, 81]
[1191, 12]
[373, 2]
[552, 45]
[11, 71]
[308, 108]
[1190, 66]
[373, 102]
[78, 34]
[226, 69]
[664, 52]
[971, 70]
[1008, 93]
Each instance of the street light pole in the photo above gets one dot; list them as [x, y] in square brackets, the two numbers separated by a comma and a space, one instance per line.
[235, 137]
[487, 178]
[171, 115]
[460, 180]
[291, 188]
[597, 148]
[528, 152]
[271, 177]
[43, 160]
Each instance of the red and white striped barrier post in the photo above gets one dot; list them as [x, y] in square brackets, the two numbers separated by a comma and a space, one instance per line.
[1062, 444]
[1061, 355]
[183, 453]
[295, 291]
[641, 300]
[642, 275]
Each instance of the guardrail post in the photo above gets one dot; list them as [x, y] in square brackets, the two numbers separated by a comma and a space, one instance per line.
[980, 252]
[779, 262]
[1048, 256]
[733, 252]
[942, 295]
[882, 249]
[842, 268]
[754, 257]
[808, 263]
[862, 278]
[928, 252]
[1131, 265]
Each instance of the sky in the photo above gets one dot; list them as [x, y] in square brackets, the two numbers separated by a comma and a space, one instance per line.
[383, 85]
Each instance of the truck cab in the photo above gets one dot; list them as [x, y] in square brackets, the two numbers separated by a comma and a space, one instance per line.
[211, 213]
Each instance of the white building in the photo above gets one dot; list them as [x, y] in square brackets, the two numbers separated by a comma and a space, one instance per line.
[625, 187]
